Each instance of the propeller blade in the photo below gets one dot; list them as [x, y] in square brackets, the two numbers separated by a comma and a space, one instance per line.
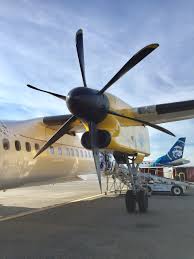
[62, 131]
[80, 53]
[144, 122]
[130, 64]
[95, 150]
[54, 94]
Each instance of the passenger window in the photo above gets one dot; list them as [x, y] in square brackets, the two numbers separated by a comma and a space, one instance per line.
[60, 151]
[86, 154]
[37, 147]
[52, 150]
[67, 151]
[6, 144]
[28, 147]
[77, 153]
[72, 152]
[81, 151]
[17, 145]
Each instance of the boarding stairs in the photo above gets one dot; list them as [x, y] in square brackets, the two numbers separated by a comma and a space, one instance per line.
[118, 179]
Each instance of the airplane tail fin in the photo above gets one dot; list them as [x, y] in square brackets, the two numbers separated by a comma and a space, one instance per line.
[176, 151]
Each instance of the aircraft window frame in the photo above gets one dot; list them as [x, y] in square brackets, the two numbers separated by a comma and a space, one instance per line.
[28, 146]
[51, 150]
[72, 151]
[18, 146]
[60, 151]
[67, 153]
[36, 146]
[5, 142]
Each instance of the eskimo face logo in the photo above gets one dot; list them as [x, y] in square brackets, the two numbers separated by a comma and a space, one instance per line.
[177, 152]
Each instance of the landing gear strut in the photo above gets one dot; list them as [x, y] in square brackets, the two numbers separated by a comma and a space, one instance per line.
[138, 194]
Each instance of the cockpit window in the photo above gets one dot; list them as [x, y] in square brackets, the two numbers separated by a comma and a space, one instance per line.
[6, 144]
[17, 145]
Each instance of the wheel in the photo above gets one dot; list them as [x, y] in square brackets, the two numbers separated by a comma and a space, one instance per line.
[177, 190]
[130, 201]
[142, 200]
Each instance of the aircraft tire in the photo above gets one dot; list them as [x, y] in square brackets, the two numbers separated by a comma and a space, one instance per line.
[177, 190]
[142, 200]
[130, 201]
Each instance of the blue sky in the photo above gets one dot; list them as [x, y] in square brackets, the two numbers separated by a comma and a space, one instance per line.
[37, 47]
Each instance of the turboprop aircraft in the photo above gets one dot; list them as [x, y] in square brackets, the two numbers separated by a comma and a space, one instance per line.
[107, 124]
[174, 157]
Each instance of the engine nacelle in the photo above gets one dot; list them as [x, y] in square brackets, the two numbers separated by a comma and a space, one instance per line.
[103, 139]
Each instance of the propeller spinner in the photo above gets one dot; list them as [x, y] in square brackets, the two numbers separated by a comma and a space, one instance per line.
[91, 105]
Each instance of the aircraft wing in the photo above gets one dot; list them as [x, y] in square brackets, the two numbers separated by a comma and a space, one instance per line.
[159, 113]
[166, 112]
[55, 122]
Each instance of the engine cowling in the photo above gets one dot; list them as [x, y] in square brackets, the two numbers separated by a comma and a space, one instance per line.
[103, 139]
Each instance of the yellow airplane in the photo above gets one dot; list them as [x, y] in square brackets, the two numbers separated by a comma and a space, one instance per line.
[107, 124]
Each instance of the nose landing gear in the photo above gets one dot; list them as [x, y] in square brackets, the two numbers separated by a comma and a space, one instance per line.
[141, 198]
[124, 175]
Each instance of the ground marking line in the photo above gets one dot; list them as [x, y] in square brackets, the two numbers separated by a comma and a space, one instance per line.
[22, 214]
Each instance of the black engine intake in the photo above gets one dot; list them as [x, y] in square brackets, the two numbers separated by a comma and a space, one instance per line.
[103, 139]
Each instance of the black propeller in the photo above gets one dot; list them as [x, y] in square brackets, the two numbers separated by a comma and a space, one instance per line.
[95, 150]
[143, 122]
[62, 131]
[80, 53]
[54, 94]
[130, 64]
[92, 106]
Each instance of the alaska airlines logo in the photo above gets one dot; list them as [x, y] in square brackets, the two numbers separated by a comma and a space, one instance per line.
[177, 152]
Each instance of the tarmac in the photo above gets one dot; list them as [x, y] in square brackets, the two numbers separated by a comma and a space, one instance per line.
[71, 220]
